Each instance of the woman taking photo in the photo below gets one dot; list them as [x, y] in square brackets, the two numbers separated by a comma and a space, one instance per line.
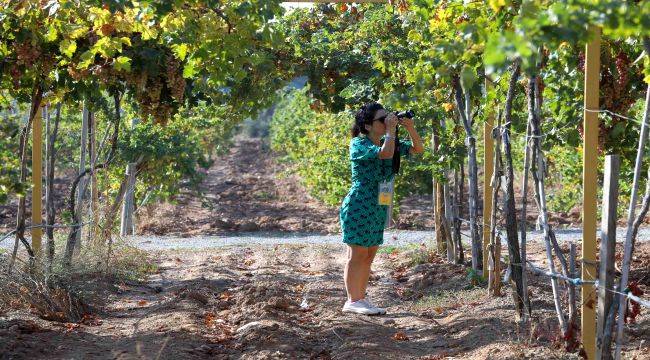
[362, 217]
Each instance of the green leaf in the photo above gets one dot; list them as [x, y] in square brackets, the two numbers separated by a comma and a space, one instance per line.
[68, 47]
[617, 131]
[87, 58]
[108, 46]
[51, 34]
[74, 31]
[180, 50]
[189, 70]
[414, 36]
[122, 63]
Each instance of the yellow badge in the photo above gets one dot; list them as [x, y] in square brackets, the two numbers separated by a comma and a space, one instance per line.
[386, 192]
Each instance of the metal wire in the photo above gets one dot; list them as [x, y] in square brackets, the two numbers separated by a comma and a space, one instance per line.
[45, 226]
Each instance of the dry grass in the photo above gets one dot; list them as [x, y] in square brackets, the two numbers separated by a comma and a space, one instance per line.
[63, 294]
[451, 298]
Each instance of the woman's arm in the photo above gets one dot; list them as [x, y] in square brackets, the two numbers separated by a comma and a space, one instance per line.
[388, 148]
[418, 146]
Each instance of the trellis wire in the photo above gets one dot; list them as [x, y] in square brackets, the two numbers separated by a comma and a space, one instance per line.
[45, 226]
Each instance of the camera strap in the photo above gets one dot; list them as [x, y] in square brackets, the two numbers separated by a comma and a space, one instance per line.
[396, 154]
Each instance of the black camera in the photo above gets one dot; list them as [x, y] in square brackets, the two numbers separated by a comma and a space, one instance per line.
[405, 114]
[396, 158]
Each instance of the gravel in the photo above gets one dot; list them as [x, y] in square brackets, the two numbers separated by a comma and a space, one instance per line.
[394, 238]
[391, 238]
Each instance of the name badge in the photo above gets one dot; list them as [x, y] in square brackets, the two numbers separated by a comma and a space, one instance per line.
[386, 189]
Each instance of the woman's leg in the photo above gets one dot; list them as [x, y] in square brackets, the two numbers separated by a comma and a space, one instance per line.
[355, 271]
[372, 251]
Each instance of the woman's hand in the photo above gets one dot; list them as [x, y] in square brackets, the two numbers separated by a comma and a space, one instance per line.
[391, 123]
[407, 123]
[418, 146]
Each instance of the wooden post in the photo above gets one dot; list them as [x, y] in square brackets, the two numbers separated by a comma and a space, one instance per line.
[488, 170]
[494, 248]
[94, 197]
[81, 188]
[590, 193]
[448, 205]
[438, 194]
[532, 87]
[37, 181]
[49, 187]
[456, 202]
[126, 223]
[607, 249]
[434, 195]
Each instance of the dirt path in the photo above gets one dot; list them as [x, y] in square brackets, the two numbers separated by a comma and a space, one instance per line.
[245, 190]
[283, 302]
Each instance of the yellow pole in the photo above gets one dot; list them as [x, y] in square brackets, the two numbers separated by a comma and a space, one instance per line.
[590, 193]
[488, 170]
[37, 181]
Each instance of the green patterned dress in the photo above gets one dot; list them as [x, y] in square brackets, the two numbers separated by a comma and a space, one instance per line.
[362, 218]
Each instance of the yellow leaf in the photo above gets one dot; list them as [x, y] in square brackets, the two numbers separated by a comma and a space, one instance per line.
[496, 5]
[443, 14]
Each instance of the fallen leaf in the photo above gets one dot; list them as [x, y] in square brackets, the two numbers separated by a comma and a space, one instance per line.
[142, 302]
[225, 296]
[209, 319]
[71, 326]
[91, 320]
[400, 336]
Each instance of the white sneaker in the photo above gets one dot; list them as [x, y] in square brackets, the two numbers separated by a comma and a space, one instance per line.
[380, 311]
[360, 307]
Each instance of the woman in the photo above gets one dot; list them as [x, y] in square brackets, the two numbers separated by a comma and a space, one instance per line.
[362, 218]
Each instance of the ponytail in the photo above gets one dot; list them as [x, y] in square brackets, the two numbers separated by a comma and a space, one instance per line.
[355, 131]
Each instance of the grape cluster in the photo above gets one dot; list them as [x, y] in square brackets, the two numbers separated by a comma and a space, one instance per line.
[616, 90]
[461, 19]
[105, 74]
[15, 73]
[26, 53]
[175, 81]
[615, 86]
[581, 61]
[158, 94]
[77, 74]
[622, 68]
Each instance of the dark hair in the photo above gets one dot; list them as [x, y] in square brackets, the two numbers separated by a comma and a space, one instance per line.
[365, 116]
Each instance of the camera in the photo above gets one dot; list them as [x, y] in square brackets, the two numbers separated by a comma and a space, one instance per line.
[405, 114]
[396, 159]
